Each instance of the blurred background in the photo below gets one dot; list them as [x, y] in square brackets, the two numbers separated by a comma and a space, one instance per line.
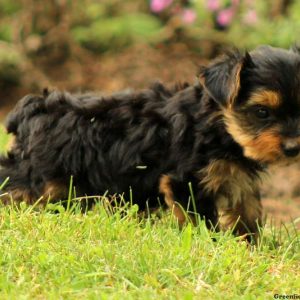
[109, 45]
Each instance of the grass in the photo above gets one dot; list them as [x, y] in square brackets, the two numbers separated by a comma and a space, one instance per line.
[99, 255]
[3, 139]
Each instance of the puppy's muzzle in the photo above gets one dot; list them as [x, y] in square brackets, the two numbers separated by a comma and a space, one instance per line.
[291, 148]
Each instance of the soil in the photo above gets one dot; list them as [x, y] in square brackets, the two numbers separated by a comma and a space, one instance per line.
[137, 67]
[281, 194]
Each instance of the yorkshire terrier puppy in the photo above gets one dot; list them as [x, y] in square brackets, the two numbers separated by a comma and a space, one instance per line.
[213, 140]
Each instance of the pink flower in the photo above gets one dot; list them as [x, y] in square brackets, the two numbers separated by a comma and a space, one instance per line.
[188, 16]
[250, 17]
[159, 5]
[213, 5]
[225, 16]
[235, 2]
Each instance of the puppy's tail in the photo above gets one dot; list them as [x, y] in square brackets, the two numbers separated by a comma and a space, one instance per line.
[25, 109]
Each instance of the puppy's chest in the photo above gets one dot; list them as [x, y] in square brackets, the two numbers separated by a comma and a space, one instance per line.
[229, 183]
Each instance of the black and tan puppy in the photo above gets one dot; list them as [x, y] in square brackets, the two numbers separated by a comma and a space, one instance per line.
[219, 135]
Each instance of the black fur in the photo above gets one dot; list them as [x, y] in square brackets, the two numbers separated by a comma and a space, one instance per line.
[113, 143]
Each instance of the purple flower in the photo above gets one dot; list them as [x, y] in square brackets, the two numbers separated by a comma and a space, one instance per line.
[213, 5]
[250, 17]
[188, 16]
[225, 16]
[159, 5]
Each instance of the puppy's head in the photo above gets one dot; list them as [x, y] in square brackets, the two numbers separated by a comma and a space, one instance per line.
[259, 96]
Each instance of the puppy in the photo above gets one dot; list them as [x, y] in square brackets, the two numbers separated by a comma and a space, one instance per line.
[201, 148]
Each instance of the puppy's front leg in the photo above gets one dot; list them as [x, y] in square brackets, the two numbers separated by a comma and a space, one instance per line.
[245, 217]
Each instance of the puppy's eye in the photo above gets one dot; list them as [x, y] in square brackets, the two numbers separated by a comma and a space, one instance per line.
[262, 113]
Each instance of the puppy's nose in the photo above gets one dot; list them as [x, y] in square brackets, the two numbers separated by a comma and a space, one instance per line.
[291, 148]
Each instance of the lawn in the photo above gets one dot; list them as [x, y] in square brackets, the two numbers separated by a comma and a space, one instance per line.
[99, 255]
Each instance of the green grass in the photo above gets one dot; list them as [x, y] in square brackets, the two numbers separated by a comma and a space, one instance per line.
[99, 255]
[3, 139]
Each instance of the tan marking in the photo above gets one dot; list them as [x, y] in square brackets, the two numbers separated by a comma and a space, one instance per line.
[55, 191]
[264, 148]
[166, 189]
[291, 142]
[236, 84]
[223, 175]
[267, 98]
[17, 196]
[11, 144]
[52, 190]
[245, 217]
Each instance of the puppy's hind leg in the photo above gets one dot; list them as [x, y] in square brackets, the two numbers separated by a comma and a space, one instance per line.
[187, 202]
[165, 188]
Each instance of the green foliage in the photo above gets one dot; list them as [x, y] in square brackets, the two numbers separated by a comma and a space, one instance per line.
[281, 31]
[3, 140]
[5, 32]
[95, 11]
[10, 61]
[109, 25]
[8, 7]
[117, 32]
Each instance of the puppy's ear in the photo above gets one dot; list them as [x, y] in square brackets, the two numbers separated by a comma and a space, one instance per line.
[221, 79]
